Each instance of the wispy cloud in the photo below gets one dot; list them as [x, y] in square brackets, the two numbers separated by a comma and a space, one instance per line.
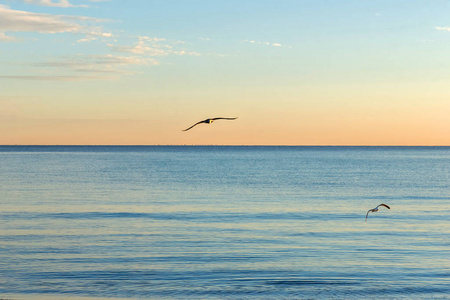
[23, 21]
[50, 78]
[145, 45]
[153, 46]
[92, 35]
[53, 3]
[16, 20]
[83, 67]
[443, 28]
[5, 38]
[97, 63]
[271, 44]
[123, 57]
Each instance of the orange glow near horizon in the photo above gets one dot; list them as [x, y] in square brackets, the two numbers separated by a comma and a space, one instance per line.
[289, 128]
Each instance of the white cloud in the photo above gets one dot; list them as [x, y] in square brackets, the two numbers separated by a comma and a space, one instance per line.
[265, 43]
[23, 21]
[182, 52]
[94, 35]
[53, 3]
[145, 45]
[16, 20]
[101, 34]
[111, 60]
[87, 39]
[148, 46]
[153, 47]
[443, 28]
[5, 38]
[140, 49]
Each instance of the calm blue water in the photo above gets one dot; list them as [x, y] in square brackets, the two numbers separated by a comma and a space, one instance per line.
[224, 222]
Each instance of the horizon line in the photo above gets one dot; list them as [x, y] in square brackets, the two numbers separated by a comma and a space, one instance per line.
[205, 145]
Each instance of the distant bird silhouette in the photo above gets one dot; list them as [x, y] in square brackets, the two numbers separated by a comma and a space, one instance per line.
[376, 209]
[209, 121]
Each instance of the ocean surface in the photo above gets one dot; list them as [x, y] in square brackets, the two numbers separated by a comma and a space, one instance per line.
[212, 222]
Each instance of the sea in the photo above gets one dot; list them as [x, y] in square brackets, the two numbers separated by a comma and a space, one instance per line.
[224, 222]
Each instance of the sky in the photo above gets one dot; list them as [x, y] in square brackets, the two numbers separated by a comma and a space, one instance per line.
[138, 72]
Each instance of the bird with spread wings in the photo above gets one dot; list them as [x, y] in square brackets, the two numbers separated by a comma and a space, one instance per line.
[209, 121]
[376, 209]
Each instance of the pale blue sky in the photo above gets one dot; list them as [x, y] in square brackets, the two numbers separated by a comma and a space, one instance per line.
[265, 61]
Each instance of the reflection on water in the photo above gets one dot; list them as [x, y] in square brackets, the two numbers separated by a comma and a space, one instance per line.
[224, 222]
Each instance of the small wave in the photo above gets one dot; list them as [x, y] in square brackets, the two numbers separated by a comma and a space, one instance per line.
[182, 216]
[311, 282]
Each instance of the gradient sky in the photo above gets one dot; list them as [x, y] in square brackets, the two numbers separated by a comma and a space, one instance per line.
[295, 72]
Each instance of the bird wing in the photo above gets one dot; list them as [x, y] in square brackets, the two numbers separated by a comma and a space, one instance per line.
[368, 214]
[220, 118]
[204, 121]
[384, 206]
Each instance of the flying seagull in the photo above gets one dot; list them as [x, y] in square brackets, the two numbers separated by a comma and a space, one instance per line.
[209, 121]
[376, 209]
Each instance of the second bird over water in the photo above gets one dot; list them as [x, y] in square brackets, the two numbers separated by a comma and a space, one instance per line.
[376, 209]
